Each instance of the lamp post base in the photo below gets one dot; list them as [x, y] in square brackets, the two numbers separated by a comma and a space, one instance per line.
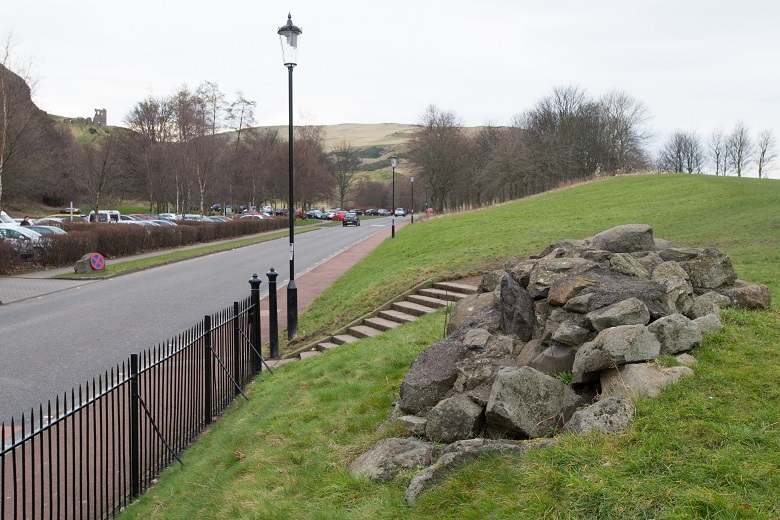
[292, 310]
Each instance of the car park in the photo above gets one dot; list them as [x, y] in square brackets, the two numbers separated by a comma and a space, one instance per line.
[351, 218]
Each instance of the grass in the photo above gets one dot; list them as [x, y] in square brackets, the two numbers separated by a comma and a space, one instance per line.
[708, 447]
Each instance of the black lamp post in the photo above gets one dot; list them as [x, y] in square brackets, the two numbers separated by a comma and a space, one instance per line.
[289, 36]
[393, 162]
[412, 199]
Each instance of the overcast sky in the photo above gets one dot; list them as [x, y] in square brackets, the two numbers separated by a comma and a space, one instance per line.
[697, 65]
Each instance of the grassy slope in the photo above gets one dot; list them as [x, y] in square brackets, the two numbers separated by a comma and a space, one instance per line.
[707, 448]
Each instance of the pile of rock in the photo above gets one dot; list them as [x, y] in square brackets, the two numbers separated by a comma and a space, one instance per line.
[562, 340]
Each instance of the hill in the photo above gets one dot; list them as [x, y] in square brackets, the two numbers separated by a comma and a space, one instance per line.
[362, 136]
[706, 448]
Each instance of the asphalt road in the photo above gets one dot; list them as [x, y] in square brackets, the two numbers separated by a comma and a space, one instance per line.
[75, 331]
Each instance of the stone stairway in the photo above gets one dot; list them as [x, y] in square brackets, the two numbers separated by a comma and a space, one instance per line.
[395, 314]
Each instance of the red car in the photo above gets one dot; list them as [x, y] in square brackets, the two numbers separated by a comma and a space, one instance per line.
[339, 215]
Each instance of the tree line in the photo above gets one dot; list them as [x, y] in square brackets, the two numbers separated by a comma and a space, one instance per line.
[724, 153]
[566, 137]
[192, 148]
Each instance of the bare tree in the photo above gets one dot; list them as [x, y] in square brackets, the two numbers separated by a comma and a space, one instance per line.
[345, 164]
[240, 114]
[765, 152]
[739, 148]
[95, 170]
[717, 152]
[682, 153]
[622, 124]
[435, 152]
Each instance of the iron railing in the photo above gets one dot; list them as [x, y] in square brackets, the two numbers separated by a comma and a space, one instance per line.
[90, 454]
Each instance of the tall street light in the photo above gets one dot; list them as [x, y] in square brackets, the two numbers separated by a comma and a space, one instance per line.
[289, 36]
[393, 162]
[412, 199]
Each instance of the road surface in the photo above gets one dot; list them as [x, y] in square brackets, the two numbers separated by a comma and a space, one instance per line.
[76, 330]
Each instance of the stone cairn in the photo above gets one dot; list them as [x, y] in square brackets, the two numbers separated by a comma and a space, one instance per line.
[561, 340]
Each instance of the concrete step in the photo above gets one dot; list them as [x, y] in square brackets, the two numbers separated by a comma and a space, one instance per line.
[397, 316]
[457, 287]
[427, 300]
[415, 309]
[381, 323]
[326, 345]
[364, 331]
[342, 339]
[443, 294]
[310, 353]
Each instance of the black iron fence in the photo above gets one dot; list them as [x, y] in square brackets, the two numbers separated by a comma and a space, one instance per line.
[89, 454]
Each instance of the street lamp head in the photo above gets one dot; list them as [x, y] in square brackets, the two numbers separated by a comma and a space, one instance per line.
[393, 161]
[412, 179]
[290, 37]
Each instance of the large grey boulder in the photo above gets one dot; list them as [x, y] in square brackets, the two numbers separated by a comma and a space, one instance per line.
[612, 347]
[709, 303]
[548, 271]
[632, 311]
[709, 324]
[554, 360]
[527, 403]
[453, 419]
[462, 452]
[490, 281]
[430, 378]
[475, 310]
[610, 415]
[676, 333]
[747, 295]
[643, 379]
[571, 334]
[627, 238]
[624, 263]
[679, 291]
[711, 269]
[388, 457]
[518, 315]
[608, 289]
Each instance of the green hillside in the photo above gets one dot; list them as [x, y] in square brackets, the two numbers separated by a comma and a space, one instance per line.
[706, 448]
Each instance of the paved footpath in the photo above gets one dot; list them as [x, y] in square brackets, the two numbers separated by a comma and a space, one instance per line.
[313, 282]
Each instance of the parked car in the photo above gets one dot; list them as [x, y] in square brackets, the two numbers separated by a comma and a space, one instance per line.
[47, 230]
[383, 212]
[358, 212]
[351, 218]
[23, 240]
[5, 219]
[339, 215]
[169, 216]
[314, 213]
[372, 212]
[400, 212]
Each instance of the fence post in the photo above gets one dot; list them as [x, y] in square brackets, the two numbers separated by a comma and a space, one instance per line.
[135, 459]
[273, 317]
[237, 350]
[254, 326]
[208, 372]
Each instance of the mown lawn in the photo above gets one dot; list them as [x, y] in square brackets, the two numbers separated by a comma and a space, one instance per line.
[706, 448]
